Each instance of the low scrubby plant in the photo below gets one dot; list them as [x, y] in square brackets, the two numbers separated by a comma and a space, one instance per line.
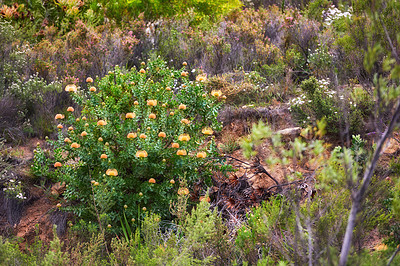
[139, 137]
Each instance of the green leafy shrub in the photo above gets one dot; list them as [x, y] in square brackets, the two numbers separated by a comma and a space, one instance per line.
[138, 134]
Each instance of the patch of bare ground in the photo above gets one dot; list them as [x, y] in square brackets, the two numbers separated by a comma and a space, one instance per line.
[35, 217]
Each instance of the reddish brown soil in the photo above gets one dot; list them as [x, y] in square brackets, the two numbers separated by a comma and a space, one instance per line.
[35, 222]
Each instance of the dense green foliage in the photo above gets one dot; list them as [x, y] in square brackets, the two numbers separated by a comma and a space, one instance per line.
[135, 147]
[138, 139]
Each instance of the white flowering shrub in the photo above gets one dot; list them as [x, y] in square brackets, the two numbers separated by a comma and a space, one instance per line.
[333, 14]
[12, 186]
[315, 103]
[318, 101]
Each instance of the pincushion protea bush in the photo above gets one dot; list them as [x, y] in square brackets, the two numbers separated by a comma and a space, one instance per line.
[130, 123]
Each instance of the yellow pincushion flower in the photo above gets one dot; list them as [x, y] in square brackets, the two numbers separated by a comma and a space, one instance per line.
[112, 172]
[130, 115]
[100, 139]
[71, 88]
[207, 131]
[131, 135]
[201, 78]
[181, 152]
[183, 191]
[216, 93]
[185, 121]
[141, 154]
[184, 137]
[152, 102]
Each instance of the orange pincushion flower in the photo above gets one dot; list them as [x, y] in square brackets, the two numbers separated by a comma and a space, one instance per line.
[143, 136]
[89, 80]
[112, 172]
[162, 134]
[92, 89]
[201, 154]
[67, 140]
[152, 102]
[216, 93]
[71, 88]
[152, 181]
[203, 198]
[184, 63]
[141, 154]
[175, 145]
[152, 116]
[183, 191]
[96, 183]
[84, 118]
[75, 145]
[59, 116]
[184, 74]
[70, 109]
[185, 121]
[84, 133]
[181, 152]
[168, 89]
[70, 128]
[131, 135]
[101, 123]
[57, 164]
[207, 131]
[100, 139]
[182, 107]
[136, 103]
[103, 156]
[142, 71]
[172, 181]
[58, 205]
[59, 126]
[130, 115]
[171, 113]
[184, 137]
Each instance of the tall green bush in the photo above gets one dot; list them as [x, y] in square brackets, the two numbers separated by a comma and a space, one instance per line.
[138, 138]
